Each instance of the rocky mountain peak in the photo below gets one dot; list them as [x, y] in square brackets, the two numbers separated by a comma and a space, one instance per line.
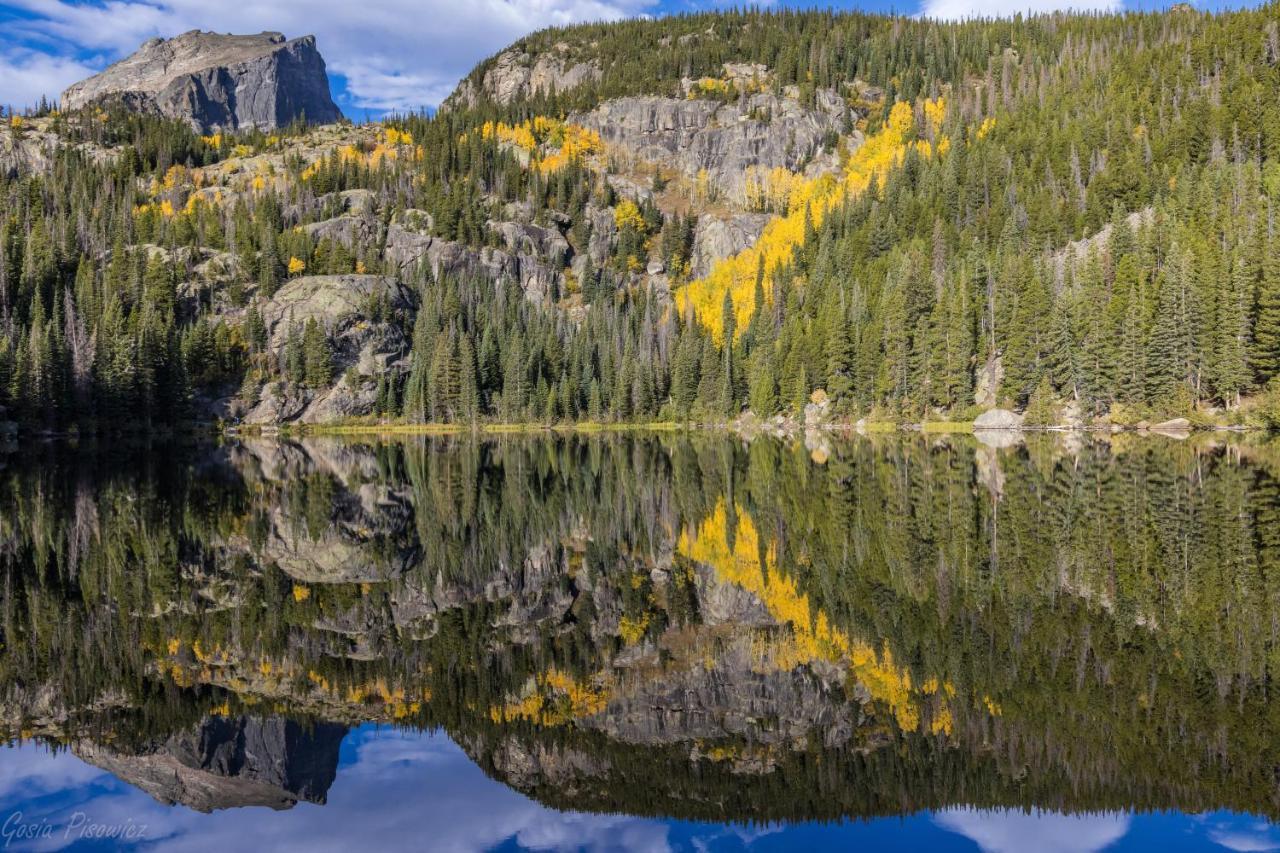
[218, 82]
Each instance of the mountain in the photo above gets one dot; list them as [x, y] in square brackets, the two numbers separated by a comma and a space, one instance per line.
[218, 82]
[804, 216]
[223, 763]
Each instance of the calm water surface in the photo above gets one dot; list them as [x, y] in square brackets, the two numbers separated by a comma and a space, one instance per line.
[642, 643]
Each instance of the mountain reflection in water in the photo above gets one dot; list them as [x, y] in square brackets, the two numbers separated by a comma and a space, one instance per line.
[646, 642]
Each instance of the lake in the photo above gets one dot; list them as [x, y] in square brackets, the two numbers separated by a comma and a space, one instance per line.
[659, 641]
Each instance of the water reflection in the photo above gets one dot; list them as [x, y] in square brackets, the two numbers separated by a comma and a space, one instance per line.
[661, 641]
[402, 790]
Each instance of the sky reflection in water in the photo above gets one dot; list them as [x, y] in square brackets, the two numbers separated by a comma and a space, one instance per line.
[402, 790]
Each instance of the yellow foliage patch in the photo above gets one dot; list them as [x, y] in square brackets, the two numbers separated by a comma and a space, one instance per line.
[806, 198]
[175, 176]
[297, 266]
[812, 636]
[709, 86]
[631, 630]
[559, 143]
[626, 213]
[556, 698]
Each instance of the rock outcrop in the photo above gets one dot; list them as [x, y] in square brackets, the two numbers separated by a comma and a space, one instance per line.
[723, 140]
[24, 151]
[227, 763]
[218, 82]
[516, 74]
[366, 319]
[29, 146]
[717, 238]
[408, 249]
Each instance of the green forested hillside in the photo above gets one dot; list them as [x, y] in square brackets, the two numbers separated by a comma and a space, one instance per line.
[1090, 222]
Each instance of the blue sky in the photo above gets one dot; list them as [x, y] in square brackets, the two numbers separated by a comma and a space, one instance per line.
[382, 54]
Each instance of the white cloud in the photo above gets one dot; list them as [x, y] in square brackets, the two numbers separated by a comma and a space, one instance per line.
[26, 75]
[952, 10]
[32, 771]
[395, 54]
[1249, 836]
[1008, 831]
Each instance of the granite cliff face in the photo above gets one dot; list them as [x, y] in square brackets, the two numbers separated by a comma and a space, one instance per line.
[218, 82]
[229, 763]
[515, 74]
[723, 140]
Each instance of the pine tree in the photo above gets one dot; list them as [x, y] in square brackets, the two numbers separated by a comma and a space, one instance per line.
[763, 384]
[728, 395]
[838, 349]
[1231, 369]
[1264, 355]
[1165, 358]
[317, 357]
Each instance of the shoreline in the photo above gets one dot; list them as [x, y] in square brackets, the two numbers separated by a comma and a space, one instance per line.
[747, 429]
[744, 426]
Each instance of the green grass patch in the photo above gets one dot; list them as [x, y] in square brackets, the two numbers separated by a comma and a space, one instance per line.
[947, 426]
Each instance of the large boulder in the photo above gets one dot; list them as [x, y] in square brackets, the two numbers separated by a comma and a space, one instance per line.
[1173, 425]
[218, 82]
[998, 419]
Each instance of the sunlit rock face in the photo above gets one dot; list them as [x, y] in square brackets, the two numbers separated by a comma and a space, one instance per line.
[515, 74]
[218, 82]
[722, 141]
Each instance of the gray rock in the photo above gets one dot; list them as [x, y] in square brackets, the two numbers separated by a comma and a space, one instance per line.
[24, 151]
[816, 413]
[547, 244]
[218, 82]
[340, 305]
[228, 763]
[278, 403]
[513, 74]
[1173, 425]
[604, 228]
[350, 231]
[998, 419]
[986, 386]
[717, 238]
[722, 139]
[345, 400]
[408, 250]
[336, 302]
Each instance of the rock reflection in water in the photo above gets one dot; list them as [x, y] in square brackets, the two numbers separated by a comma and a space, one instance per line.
[661, 626]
